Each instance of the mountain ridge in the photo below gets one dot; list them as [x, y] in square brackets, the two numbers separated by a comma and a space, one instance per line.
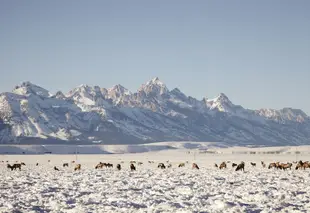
[91, 114]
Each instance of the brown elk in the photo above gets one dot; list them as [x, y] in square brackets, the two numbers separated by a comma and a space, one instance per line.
[195, 166]
[274, 165]
[15, 166]
[285, 166]
[132, 167]
[302, 165]
[223, 165]
[77, 167]
[99, 165]
[108, 165]
[161, 165]
[240, 166]
[118, 166]
[182, 165]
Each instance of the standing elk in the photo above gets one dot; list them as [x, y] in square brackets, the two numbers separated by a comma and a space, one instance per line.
[118, 166]
[99, 165]
[223, 165]
[77, 167]
[240, 166]
[161, 165]
[15, 166]
[182, 165]
[132, 167]
[195, 166]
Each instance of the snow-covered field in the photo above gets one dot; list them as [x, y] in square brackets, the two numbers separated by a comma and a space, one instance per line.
[150, 189]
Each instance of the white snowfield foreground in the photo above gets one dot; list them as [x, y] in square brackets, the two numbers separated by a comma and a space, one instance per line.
[150, 189]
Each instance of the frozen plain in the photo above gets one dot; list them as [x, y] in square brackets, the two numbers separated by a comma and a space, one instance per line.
[150, 189]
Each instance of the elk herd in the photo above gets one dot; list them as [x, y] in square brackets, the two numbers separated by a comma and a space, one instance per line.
[133, 164]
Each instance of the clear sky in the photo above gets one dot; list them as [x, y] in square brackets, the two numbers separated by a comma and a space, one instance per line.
[256, 52]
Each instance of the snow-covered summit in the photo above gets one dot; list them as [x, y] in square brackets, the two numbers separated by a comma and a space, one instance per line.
[154, 86]
[284, 115]
[118, 91]
[221, 103]
[27, 88]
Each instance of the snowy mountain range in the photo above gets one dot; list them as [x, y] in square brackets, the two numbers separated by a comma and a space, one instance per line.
[89, 115]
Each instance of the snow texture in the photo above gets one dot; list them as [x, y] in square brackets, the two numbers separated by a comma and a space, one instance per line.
[150, 189]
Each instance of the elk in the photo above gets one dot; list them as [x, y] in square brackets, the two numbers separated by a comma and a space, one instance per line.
[77, 167]
[195, 166]
[99, 165]
[285, 166]
[240, 166]
[15, 166]
[302, 165]
[223, 165]
[118, 166]
[182, 165]
[161, 165]
[253, 164]
[108, 165]
[132, 167]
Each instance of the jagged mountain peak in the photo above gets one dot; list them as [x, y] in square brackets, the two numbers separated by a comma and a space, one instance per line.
[81, 88]
[119, 89]
[60, 95]
[156, 81]
[285, 114]
[117, 93]
[87, 96]
[222, 98]
[154, 86]
[27, 88]
[84, 86]
[221, 103]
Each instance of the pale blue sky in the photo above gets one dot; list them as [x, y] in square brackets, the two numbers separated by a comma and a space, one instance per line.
[256, 52]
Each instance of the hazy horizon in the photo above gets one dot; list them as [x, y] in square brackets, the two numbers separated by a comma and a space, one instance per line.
[257, 52]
